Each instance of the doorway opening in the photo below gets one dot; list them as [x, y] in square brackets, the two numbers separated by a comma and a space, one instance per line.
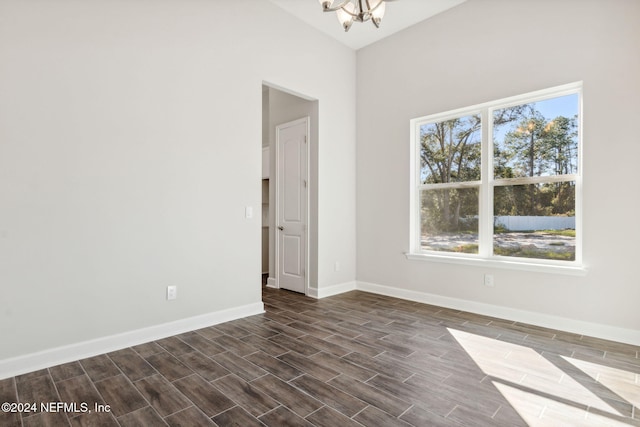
[289, 189]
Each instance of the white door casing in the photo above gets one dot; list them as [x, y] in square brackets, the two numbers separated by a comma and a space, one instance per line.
[292, 204]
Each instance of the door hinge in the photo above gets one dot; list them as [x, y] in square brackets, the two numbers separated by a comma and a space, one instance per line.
[305, 183]
[305, 139]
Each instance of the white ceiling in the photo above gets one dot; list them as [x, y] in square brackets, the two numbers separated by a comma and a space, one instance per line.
[399, 15]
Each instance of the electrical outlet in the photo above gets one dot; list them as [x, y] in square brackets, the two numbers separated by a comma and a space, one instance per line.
[488, 280]
[172, 292]
[336, 266]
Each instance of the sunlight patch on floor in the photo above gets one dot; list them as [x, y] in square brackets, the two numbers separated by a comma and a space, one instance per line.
[539, 411]
[623, 383]
[552, 395]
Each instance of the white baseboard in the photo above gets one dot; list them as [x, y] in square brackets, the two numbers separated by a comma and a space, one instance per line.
[596, 330]
[56, 356]
[48, 358]
[271, 283]
[329, 291]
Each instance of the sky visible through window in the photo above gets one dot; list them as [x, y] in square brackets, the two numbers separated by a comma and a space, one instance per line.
[533, 154]
[565, 106]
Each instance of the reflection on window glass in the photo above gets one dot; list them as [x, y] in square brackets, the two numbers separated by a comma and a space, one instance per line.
[449, 220]
[535, 221]
[536, 139]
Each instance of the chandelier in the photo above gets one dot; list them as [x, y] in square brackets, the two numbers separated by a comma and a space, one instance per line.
[356, 10]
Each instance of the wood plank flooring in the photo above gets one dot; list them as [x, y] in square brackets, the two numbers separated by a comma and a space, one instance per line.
[355, 359]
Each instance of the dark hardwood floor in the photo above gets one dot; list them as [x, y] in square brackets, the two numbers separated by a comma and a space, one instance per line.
[349, 360]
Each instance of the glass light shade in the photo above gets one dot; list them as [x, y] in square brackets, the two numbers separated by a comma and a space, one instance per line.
[378, 12]
[345, 15]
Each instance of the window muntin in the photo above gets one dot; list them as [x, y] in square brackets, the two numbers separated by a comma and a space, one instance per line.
[501, 180]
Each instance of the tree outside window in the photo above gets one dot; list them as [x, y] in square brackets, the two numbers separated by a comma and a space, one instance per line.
[527, 178]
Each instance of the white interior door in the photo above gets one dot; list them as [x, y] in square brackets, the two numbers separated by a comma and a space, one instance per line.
[291, 204]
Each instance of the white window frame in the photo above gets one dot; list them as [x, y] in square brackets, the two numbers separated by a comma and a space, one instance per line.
[486, 185]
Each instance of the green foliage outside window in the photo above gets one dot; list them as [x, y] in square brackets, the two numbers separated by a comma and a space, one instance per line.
[534, 161]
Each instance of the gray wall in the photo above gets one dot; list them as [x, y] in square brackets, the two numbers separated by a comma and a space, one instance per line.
[129, 148]
[484, 50]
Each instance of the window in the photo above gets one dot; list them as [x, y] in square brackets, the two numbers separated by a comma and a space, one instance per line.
[500, 181]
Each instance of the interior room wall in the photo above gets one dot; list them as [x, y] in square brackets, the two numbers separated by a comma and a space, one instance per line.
[482, 51]
[129, 149]
[265, 181]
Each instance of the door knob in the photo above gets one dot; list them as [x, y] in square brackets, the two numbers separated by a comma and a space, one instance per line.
[280, 228]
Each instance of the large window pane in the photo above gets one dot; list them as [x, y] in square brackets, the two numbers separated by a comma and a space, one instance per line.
[449, 220]
[536, 139]
[535, 221]
[450, 150]
[532, 146]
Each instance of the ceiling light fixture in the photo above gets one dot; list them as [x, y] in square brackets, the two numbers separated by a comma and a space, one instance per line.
[356, 10]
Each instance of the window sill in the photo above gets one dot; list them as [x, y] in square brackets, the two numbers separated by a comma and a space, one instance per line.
[573, 270]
